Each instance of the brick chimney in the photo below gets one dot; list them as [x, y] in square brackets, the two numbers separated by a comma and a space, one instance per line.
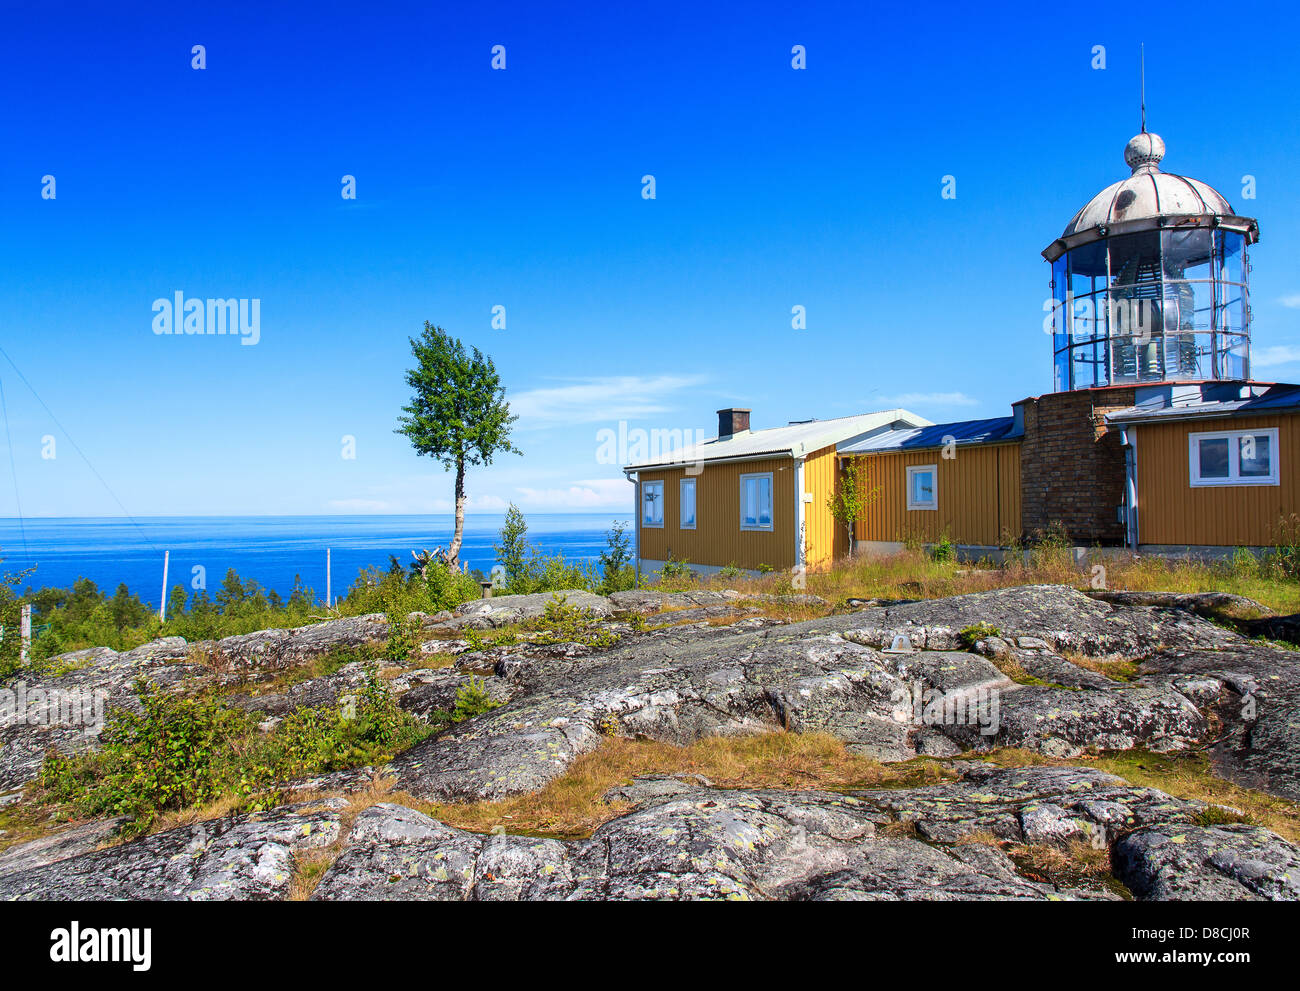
[732, 421]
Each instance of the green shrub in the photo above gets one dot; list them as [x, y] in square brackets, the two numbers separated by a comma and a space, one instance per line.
[182, 751]
[401, 637]
[472, 699]
[943, 549]
[972, 635]
[675, 568]
[565, 623]
[617, 571]
[167, 756]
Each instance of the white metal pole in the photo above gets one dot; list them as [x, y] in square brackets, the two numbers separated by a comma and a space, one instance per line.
[26, 632]
[162, 609]
[329, 602]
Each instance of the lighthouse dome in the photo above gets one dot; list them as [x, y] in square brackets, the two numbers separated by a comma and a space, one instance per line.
[1148, 193]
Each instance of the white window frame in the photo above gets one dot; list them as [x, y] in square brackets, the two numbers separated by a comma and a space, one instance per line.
[915, 470]
[658, 482]
[771, 485]
[681, 503]
[1233, 437]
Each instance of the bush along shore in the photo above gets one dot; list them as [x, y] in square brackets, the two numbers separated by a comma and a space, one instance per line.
[916, 727]
[83, 616]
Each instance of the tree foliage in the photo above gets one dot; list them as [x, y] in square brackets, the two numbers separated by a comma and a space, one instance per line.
[852, 498]
[457, 413]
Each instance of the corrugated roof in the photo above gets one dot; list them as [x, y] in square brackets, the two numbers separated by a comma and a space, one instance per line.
[964, 432]
[796, 439]
[1193, 405]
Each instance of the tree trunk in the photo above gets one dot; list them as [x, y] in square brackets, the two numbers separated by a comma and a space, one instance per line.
[453, 552]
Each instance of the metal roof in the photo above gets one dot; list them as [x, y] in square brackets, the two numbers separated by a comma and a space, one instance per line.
[964, 432]
[1211, 399]
[795, 439]
[1146, 199]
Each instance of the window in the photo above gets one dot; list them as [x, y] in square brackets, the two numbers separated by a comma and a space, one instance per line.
[1233, 457]
[921, 487]
[756, 501]
[652, 504]
[687, 492]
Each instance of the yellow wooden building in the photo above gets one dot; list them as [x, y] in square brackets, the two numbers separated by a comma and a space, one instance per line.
[1154, 438]
[752, 499]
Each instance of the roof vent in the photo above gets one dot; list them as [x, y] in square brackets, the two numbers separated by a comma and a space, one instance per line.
[732, 421]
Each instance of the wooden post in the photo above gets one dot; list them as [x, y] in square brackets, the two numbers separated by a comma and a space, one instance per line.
[329, 604]
[162, 609]
[26, 649]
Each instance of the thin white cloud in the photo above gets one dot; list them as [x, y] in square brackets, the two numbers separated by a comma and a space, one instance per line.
[360, 506]
[402, 505]
[591, 400]
[596, 493]
[1278, 354]
[910, 399]
[1291, 302]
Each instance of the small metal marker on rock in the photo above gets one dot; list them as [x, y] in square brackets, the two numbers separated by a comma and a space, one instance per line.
[901, 645]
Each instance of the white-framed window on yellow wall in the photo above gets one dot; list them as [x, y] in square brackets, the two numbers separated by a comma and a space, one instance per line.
[922, 487]
[1233, 457]
[652, 504]
[686, 491]
[756, 501]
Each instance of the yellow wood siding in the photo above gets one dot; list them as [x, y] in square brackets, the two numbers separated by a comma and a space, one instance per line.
[717, 538]
[978, 499]
[1170, 511]
[824, 539]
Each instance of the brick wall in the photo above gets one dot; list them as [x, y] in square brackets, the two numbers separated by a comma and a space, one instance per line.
[1071, 470]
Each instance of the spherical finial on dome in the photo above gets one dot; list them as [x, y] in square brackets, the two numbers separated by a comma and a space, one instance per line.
[1144, 152]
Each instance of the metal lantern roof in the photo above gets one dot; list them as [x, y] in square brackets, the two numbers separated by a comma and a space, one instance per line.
[1149, 200]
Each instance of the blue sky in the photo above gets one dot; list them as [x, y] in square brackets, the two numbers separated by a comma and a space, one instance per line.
[522, 188]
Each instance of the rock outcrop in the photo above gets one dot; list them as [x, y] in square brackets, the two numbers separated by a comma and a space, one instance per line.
[680, 839]
[247, 857]
[1035, 667]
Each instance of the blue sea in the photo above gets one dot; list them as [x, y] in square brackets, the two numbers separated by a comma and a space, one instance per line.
[271, 549]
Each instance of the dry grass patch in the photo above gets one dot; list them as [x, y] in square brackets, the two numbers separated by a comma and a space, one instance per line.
[573, 805]
[1116, 669]
[1008, 665]
[1077, 863]
[26, 820]
[913, 574]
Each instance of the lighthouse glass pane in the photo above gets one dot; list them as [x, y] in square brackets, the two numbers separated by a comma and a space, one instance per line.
[1056, 320]
[1230, 256]
[1187, 253]
[1188, 306]
[1087, 262]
